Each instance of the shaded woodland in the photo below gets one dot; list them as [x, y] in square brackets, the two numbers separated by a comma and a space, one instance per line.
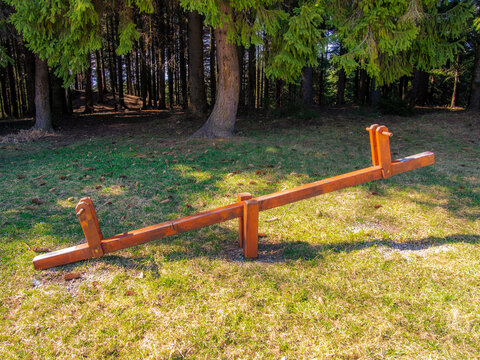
[172, 61]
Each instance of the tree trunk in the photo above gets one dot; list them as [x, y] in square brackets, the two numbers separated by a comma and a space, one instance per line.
[99, 77]
[162, 103]
[111, 62]
[375, 93]
[121, 98]
[251, 78]
[418, 96]
[241, 98]
[169, 66]
[143, 73]
[474, 101]
[363, 87]
[13, 88]
[183, 62]
[88, 88]
[198, 97]
[213, 68]
[43, 115]
[58, 100]
[221, 121]
[30, 81]
[307, 86]
[128, 68]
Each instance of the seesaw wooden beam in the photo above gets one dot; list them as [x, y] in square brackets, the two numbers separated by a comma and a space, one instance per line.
[246, 209]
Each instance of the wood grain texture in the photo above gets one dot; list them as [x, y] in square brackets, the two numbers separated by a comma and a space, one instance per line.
[241, 238]
[383, 151]
[62, 257]
[89, 223]
[373, 143]
[178, 226]
[250, 215]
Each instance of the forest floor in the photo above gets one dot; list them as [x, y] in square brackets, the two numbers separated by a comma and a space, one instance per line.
[389, 269]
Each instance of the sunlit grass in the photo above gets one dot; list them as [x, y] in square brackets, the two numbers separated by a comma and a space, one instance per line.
[389, 269]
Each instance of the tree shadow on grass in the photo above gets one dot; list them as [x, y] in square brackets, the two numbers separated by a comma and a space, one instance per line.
[300, 250]
[269, 251]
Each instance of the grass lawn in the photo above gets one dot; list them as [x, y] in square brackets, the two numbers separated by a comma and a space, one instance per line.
[384, 270]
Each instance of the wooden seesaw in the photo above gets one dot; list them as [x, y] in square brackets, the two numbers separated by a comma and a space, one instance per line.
[246, 209]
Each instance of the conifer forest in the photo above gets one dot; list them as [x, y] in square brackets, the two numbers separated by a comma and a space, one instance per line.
[217, 59]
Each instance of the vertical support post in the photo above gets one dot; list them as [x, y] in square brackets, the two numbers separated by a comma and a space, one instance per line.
[250, 216]
[373, 143]
[383, 148]
[241, 226]
[89, 222]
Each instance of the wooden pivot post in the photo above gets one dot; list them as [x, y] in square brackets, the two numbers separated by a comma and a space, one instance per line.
[241, 226]
[250, 219]
[383, 150]
[88, 220]
[373, 143]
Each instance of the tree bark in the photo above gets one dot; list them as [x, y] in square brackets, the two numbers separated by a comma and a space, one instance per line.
[162, 103]
[121, 97]
[58, 99]
[170, 65]
[183, 62]
[213, 68]
[128, 68]
[375, 93]
[251, 78]
[307, 86]
[88, 88]
[12, 85]
[221, 121]
[43, 115]
[198, 98]
[474, 101]
[30, 81]
[143, 73]
[99, 77]
[418, 96]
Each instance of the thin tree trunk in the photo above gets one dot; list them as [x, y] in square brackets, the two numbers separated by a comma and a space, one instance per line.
[129, 74]
[241, 98]
[43, 115]
[221, 121]
[58, 100]
[198, 98]
[143, 73]
[162, 103]
[251, 78]
[169, 66]
[375, 93]
[121, 97]
[30, 81]
[99, 77]
[307, 86]
[88, 88]
[183, 62]
[278, 93]
[102, 62]
[213, 68]
[12, 86]
[111, 60]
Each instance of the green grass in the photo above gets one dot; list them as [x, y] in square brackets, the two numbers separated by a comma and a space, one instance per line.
[337, 276]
